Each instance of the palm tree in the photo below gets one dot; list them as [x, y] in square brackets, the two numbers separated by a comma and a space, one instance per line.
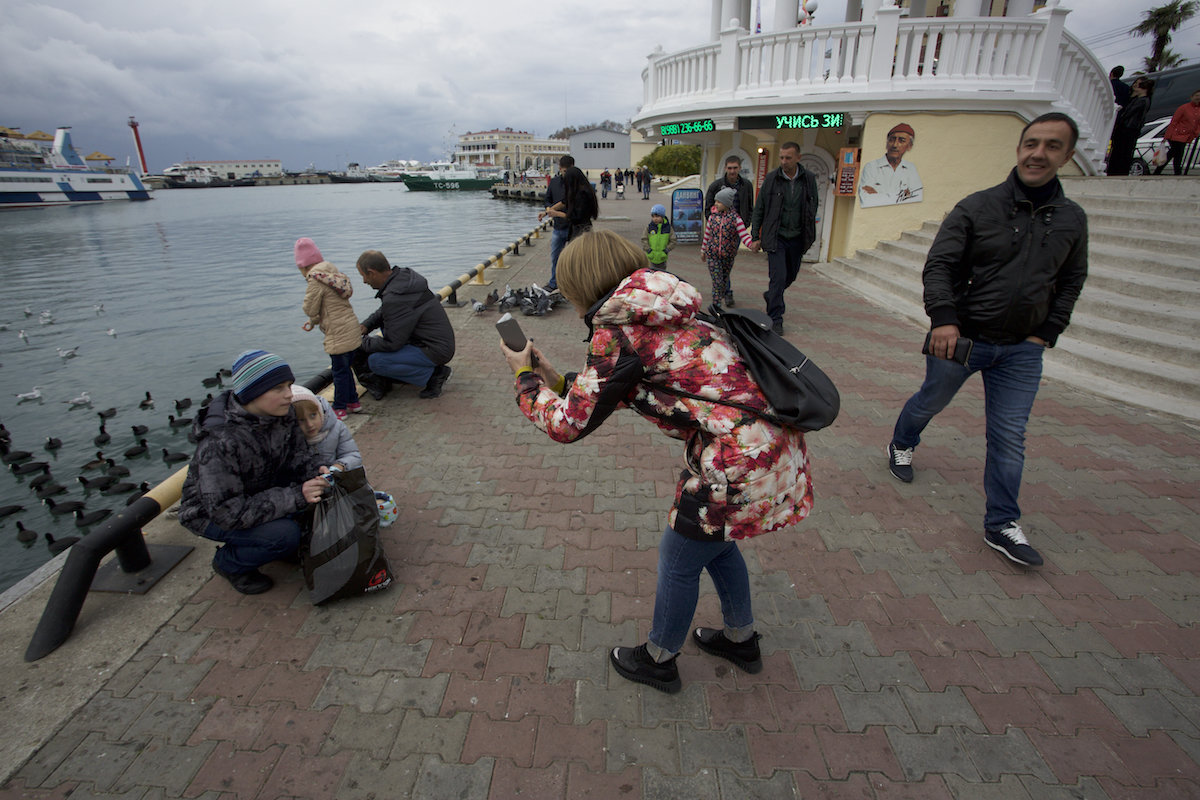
[1160, 23]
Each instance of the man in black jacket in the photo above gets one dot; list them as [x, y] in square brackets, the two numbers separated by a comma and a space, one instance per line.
[734, 180]
[556, 192]
[1004, 271]
[785, 225]
[418, 340]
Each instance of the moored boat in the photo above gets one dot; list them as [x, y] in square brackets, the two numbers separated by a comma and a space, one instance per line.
[353, 174]
[35, 173]
[192, 176]
[445, 177]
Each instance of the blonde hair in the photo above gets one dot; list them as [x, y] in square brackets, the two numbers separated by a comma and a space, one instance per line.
[592, 265]
[306, 407]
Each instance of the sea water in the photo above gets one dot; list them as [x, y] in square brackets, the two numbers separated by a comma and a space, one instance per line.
[159, 295]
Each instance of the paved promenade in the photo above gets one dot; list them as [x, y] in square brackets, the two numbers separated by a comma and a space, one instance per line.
[904, 659]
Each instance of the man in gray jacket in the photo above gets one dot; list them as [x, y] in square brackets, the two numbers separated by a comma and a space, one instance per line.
[418, 340]
[1001, 277]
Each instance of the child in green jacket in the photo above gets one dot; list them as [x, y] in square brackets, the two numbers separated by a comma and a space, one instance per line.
[659, 238]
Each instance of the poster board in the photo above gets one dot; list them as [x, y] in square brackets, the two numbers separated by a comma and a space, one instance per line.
[847, 171]
[760, 170]
[687, 218]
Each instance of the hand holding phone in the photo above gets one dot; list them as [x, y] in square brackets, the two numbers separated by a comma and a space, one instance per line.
[512, 335]
[962, 349]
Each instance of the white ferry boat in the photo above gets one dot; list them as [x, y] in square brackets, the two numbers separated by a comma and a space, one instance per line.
[35, 174]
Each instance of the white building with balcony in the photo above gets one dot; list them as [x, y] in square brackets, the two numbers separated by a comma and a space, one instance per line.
[965, 75]
[508, 149]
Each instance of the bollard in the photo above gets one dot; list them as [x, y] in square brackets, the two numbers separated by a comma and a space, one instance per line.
[479, 280]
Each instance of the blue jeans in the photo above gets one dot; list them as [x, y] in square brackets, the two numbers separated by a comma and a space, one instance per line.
[1011, 373]
[251, 548]
[783, 266]
[409, 364]
[558, 240]
[344, 392]
[680, 561]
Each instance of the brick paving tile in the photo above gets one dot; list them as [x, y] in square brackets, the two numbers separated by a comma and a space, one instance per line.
[567, 743]
[538, 783]
[1083, 753]
[301, 776]
[585, 784]
[488, 738]
[855, 752]
[1167, 789]
[798, 749]
[238, 771]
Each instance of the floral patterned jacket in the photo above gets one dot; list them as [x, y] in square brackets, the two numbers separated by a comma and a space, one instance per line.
[743, 476]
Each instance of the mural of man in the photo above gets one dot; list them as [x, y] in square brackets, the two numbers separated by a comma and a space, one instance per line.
[890, 180]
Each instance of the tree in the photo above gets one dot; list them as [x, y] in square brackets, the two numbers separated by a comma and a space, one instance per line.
[1160, 23]
[570, 130]
[678, 160]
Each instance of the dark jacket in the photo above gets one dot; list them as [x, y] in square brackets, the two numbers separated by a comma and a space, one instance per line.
[247, 469]
[410, 314]
[764, 226]
[556, 192]
[1002, 270]
[745, 197]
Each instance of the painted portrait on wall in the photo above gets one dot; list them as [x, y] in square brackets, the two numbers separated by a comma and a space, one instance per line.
[890, 180]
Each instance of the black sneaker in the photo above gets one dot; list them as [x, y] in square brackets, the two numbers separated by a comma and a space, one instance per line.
[900, 462]
[252, 582]
[744, 655]
[635, 664]
[441, 374]
[729, 300]
[1010, 540]
[777, 326]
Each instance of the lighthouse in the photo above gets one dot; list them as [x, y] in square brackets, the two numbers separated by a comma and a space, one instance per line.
[137, 143]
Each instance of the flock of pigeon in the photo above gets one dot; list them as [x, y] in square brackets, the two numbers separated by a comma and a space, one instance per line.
[532, 301]
[100, 475]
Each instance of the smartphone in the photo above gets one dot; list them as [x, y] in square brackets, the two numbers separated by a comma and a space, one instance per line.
[962, 349]
[512, 335]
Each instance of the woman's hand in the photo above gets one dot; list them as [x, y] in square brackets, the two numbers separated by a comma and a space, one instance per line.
[517, 358]
[545, 369]
[314, 488]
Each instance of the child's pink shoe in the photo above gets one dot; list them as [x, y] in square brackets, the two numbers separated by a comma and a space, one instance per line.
[354, 408]
[340, 413]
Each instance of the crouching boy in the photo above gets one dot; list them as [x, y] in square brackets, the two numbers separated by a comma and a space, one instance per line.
[251, 474]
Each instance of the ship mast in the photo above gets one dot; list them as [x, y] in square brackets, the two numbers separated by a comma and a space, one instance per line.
[137, 141]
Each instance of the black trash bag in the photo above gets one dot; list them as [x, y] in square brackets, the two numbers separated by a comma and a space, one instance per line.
[340, 554]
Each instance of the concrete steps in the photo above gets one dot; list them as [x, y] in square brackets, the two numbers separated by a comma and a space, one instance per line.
[1135, 332]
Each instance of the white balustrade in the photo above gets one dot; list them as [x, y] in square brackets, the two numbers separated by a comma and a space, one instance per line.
[1024, 59]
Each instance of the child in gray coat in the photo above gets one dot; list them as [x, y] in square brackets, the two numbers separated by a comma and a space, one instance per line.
[327, 435]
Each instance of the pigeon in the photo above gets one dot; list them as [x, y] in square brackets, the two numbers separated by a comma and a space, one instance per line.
[478, 307]
[492, 298]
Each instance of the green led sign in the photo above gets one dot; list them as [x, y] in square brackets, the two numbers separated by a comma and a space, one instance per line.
[780, 122]
[691, 126]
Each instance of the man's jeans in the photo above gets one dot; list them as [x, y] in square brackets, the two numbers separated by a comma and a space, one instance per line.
[783, 266]
[409, 364]
[249, 549]
[558, 240]
[1011, 373]
[680, 562]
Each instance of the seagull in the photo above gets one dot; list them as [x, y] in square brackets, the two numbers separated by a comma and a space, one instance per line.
[99, 308]
[28, 311]
[84, 399]
[112, 332]
[70, 352]
[33, 394]
[46, 319]
[147, 403]
[24, 337]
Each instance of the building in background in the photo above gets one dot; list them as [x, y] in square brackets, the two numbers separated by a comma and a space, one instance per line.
[511, 150]
[233, 170]
[597, 148]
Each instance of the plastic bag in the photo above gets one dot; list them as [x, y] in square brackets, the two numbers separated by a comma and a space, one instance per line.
[1162, 151]
[340, 554]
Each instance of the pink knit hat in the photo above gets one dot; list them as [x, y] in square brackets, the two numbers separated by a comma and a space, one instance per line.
[307, 253]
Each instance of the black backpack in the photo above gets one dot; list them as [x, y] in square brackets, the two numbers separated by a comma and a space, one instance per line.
[801, 395]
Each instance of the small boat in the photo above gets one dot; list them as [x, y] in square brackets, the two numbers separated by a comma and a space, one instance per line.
[446, 177]
[192, 176]
[37, 174]
[353, 174]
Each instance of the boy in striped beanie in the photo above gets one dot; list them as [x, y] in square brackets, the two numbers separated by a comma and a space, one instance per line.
[252, 473]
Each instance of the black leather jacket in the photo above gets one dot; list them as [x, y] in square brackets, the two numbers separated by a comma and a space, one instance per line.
[1002, 270]
[764, 223]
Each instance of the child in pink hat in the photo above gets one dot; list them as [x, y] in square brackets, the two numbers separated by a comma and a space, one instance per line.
[327, 304]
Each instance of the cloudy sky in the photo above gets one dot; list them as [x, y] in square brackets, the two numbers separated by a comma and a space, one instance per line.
[367, 80]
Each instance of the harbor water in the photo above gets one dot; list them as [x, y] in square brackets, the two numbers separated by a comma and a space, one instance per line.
[158, 296]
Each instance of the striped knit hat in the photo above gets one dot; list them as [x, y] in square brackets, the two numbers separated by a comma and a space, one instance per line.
[256, 371]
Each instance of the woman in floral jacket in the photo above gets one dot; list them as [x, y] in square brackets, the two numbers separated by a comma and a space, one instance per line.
[744, 476]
